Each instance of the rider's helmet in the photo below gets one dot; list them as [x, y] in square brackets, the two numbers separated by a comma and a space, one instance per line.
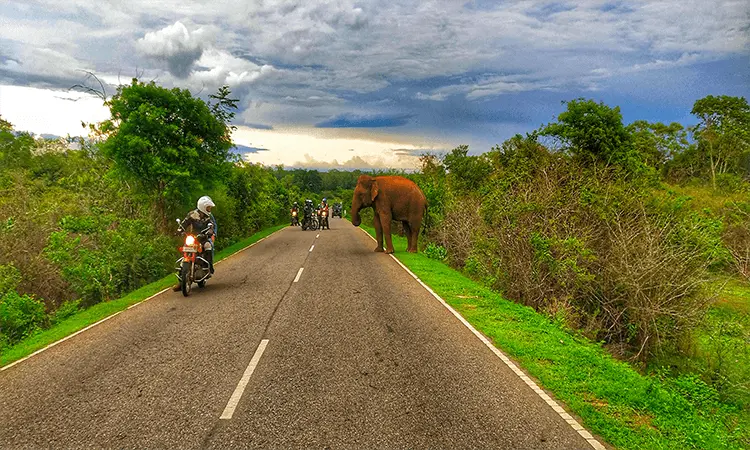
[324, 200]
[205, 204]
[295, 203]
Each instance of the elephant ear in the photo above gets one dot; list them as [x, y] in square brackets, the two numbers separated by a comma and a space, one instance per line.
[374, 190]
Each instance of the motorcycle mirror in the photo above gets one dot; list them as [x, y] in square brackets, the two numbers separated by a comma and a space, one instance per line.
[210, 225]
[178, 220]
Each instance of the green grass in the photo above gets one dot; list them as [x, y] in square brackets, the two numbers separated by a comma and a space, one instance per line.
[99, 311]
[627, 409]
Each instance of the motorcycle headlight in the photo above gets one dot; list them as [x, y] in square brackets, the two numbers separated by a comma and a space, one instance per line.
[325, 213]
[294, 213]
[189, 240]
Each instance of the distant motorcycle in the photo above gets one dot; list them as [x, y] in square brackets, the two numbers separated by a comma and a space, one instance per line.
[193, 267]
[337, 210]
[310, 221]
[295, 219]
[323, 219]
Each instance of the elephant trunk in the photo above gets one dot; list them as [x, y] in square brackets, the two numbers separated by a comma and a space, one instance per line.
[356, 220]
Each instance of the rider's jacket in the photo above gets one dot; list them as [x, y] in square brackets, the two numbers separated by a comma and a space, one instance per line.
[197, 221]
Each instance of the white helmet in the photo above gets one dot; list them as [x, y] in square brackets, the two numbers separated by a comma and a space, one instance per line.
[204, 202]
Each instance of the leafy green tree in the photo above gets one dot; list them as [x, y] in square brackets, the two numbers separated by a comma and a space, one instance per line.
[15, 150]
[658, 143]
[723, 132]
[466, 173]
[171, 143]
[594, 133]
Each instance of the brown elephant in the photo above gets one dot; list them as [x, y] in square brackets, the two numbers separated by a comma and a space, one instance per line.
[392, 198]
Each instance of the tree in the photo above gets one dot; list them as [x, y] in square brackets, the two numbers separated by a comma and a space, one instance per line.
[466, 173]
[723, 132]
[168, 141]
[594, 133]
[658, 143]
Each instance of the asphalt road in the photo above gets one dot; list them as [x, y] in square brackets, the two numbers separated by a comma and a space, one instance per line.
[357, 355]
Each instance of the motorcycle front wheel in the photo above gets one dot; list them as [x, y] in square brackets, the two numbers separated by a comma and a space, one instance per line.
[186, 279]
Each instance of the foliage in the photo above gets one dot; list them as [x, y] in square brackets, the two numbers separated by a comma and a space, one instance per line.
[723, 133]
[103, 258]
[436, 252]
[167, 141]
[594, 133]
[20, 316]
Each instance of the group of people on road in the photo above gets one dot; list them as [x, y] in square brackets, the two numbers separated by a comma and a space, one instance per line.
[321, 211]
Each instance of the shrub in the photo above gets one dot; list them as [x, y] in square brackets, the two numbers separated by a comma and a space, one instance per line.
[20, 316]
[436, 252]
[65, 310]
[110, 257]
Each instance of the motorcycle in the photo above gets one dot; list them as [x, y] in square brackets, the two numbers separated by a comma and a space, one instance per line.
[310, 221]
[193, 267]
[337, 211]
[295, 219]
[324, 220]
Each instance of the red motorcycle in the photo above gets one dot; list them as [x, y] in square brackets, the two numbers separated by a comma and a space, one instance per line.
[193, 267]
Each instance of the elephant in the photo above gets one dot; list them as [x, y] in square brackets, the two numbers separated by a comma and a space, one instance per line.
[392, 198]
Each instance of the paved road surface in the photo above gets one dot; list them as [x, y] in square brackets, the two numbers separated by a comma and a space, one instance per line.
[358, 355]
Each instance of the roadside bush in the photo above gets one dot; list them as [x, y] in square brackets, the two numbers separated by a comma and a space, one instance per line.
[586, 246]
[102, 257]
[20, 316]
[736, 237]
[436, 252]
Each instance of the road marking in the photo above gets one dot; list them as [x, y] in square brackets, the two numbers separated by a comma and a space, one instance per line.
[129, 307]
[234, 400]
[311, 248]
[521, 374]
[317, 236]
[299, 274]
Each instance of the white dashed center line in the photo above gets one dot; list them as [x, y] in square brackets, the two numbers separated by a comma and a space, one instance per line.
[299, 274]
[311, 248]
[234, 400]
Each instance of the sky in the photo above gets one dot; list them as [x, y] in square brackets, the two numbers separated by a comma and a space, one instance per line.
[366, 84]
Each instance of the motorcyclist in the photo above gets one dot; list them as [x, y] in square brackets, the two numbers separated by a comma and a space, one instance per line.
[324, 207]
[295, 209]
[308, 211]
[196, 221]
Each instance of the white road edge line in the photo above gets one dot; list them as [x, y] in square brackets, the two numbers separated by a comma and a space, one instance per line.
[129, 307]
[234, 400]
[543, 395]
[299, 274]
[311, 248]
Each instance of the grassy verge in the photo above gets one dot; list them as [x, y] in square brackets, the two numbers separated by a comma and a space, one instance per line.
[629, 410]
[99, 311]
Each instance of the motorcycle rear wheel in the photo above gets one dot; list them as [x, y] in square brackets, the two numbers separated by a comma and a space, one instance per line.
[186, 282]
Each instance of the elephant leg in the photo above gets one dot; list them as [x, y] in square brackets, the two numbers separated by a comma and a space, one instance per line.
[378, 233]
[407, 232]
[414, 237]
[385, 222]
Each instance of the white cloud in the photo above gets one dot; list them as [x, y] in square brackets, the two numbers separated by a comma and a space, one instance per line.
[176, 45]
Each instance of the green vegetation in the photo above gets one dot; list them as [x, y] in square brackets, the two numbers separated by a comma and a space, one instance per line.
[628, 409]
